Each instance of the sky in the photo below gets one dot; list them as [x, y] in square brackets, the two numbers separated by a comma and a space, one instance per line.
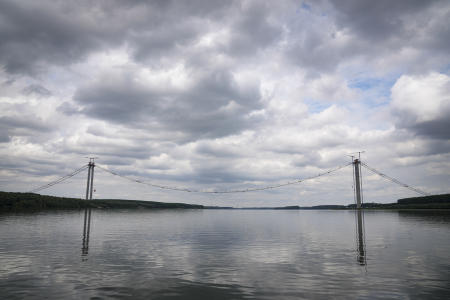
[224, 95]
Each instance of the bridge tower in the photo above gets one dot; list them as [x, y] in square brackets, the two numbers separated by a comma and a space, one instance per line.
[358, 183]
[359, 211]
[90, 179]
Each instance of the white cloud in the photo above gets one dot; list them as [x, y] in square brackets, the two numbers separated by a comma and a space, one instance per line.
[217, 95]
[422, 98]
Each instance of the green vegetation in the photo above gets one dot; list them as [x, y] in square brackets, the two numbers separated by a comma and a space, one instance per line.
[444, 198]
[33, 202]
[425, 202]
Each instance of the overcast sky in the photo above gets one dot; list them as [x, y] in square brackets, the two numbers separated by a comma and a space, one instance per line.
[219, 95]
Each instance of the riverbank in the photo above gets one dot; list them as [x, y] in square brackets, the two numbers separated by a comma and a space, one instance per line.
[33, 202]
[17, 202]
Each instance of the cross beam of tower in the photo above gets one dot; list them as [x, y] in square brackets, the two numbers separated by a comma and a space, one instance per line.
[90, 179]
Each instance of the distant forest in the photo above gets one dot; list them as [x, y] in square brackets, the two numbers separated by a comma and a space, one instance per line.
[31, 201]
[17, 202]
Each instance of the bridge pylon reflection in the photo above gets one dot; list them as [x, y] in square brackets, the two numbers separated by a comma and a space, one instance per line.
[86, 232]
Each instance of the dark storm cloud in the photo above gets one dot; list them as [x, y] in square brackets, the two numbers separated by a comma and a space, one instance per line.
[106, 149]
[33, 165]
[423, 145]
[435, 129]
[68, 108]
[253, 30]
[378, 21]
[36, 89]
[21, 126]
[36, 35]
[215, 150]
[4, 136]
[215, 175]
[315, 51]
[398, 24]
[373, 30]
[164, 41]
[120, 101]
[215, 105]
[439, 129]
[171, 27]
[249, 25]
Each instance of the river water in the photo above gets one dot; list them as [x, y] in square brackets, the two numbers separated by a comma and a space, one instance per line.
[224, 254]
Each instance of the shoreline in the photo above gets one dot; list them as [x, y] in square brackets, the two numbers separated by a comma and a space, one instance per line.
[23, 202]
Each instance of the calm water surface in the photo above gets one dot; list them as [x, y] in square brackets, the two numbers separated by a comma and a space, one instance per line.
[224, 254]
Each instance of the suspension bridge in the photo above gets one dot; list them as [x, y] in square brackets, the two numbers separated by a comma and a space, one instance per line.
[356, 164]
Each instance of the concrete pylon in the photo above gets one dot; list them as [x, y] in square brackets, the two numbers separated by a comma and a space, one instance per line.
[357, 170]
[90, 179]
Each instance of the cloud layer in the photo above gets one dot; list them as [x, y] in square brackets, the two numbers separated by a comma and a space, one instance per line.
[225, 94]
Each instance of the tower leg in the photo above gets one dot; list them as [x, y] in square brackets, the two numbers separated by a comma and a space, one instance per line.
[92, 180]
[88, 181]
[357, 171]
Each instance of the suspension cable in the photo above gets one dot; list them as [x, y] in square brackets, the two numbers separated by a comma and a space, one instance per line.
[65, 177]
[189, 190]
[395, 180]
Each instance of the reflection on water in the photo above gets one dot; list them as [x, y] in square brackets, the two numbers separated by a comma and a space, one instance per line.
[427, 216]
[224, 254]
[360, 237]
[86, 232]
[359, 223]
